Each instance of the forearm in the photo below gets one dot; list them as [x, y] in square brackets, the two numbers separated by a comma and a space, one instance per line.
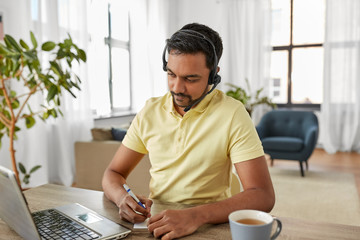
[112, 184]
[218, 212]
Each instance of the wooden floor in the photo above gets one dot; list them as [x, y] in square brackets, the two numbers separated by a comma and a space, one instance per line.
[322, 161]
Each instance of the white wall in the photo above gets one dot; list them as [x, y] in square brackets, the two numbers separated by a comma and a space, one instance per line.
[189, 11]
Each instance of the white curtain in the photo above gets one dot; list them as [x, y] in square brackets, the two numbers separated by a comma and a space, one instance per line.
[51, 144]
[340, 110]
[149, 24]
[247, 48]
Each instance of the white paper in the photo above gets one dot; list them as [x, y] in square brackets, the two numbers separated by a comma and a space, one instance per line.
[142, 225]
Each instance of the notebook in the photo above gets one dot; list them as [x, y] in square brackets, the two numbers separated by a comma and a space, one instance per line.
[70, 221]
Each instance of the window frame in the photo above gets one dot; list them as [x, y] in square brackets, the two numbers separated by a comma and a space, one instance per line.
[115, 43]
[289, 49]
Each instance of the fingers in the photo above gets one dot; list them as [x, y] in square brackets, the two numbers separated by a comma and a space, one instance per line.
[131, 216]
[155, 219]
[161, 230]
[146, 201]
[157, 227]
[131, 211]
[168, 236]
[170, 224]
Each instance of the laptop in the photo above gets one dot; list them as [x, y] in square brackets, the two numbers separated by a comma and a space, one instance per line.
[72, 221]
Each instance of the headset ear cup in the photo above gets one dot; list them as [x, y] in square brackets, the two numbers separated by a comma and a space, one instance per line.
[164, 66]
[214, 79]
[217, 79]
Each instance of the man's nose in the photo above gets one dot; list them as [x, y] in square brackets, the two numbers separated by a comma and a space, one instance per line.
[178, 86]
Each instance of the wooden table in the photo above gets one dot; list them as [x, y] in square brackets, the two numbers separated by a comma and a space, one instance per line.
[49, 195]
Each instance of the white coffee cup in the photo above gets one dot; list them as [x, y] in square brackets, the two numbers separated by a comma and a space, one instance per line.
[249, 226]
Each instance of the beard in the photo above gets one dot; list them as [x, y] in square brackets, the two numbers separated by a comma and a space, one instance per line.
[183, 100]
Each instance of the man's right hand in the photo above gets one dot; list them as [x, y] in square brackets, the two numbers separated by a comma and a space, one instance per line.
[131, 211]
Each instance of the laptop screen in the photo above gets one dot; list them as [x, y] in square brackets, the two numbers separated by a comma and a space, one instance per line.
[13, 208]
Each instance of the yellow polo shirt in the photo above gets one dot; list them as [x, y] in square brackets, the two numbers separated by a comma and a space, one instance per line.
[191, 156]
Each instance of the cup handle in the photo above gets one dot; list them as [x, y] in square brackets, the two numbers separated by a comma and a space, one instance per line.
[278, 229]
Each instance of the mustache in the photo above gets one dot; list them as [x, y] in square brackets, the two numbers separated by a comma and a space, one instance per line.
[179, 94]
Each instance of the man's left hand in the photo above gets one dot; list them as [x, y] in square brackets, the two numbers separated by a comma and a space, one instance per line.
[170, 224]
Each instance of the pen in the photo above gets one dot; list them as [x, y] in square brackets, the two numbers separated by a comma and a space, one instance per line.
[133, 195]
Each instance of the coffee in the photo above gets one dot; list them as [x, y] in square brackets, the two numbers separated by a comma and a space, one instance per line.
[253, 224]
[250, 221]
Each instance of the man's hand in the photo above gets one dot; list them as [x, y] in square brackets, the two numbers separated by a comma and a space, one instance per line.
[170, 224]
[131, 211]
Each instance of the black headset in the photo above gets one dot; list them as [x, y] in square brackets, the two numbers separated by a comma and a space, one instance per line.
[214, 78]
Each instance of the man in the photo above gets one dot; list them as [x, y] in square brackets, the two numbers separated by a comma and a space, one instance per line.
[193, 135]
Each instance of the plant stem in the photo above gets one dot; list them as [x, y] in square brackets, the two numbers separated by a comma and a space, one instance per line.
[11, 132]
[4, 120]
[33, 90]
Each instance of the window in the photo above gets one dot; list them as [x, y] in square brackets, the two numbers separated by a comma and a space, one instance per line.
[118, 42]
[297, 55]
[109, 57]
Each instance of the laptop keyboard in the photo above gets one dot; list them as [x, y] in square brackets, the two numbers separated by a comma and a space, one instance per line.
[53, 225]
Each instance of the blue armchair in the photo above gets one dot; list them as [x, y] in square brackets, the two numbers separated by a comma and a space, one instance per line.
[289, 134]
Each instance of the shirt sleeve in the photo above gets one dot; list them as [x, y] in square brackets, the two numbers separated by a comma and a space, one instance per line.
[245, 143]
[133, 138]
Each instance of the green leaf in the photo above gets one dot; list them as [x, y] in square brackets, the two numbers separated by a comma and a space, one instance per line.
[33, 40]
[22, 168]
[12, 93]
[7, 43]
[16, 67]
[57, 101]
[52, 92]
[13, 42]
[4, 49]
[82, 55]
[45, 115]
[60, 54]
[26, 179]
[30, 121]
[48, 46]
[15, 104]
[53, 113]
[35, 168]
[30, 55]
[56, 68]
[24, 45]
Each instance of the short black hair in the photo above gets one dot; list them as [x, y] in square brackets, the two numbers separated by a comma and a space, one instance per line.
[186, 43]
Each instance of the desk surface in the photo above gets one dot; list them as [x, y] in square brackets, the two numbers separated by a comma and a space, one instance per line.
[48, 196]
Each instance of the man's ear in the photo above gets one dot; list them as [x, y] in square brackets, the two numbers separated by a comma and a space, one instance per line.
[217, 69]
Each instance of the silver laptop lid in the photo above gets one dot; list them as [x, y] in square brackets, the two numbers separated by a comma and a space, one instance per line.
[13, 208]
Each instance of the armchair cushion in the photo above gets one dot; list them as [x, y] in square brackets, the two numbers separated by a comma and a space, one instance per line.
[292, 144]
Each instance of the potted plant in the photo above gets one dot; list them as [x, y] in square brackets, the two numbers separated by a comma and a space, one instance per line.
[20, 63]
[246, 98]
